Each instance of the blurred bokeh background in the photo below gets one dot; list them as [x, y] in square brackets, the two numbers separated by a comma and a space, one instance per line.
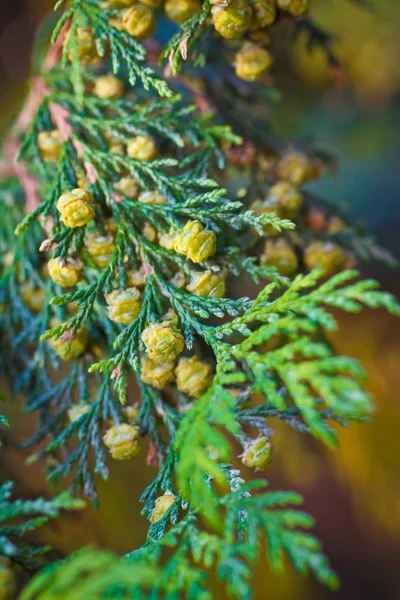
[354, 493]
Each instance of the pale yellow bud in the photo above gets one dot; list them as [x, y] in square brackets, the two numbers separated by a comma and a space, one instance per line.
[280, 255]
[110, 225]
[257, 454]
[163, 342]
[296, 168]
[207, 284]
[100, 248]
[234, 20]
[296, 7]
[117, 148]
[139, 21]
[193, 376]
[86, 46]
[196, 243]
[76, 207]
[149, 232]
[162, 504]
[77, 411]
[287, 197]
[124, 305]
[264, 13]
[142, 147]
[181, 10]
[136, 278]
[252, 62]
[130, 414]
[70, 346]
[32, 297]
[157, 374]
[122, 441]
[167, 240]
[326, 256]
[127, 186]
[171, 318]
[66, 272]
[108, 87]
[154, 197]
[179, 280]
[49, 144]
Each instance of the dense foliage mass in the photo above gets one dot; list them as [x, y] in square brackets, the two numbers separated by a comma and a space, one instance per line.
[120, 249]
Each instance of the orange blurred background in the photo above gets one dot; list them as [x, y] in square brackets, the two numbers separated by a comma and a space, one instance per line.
[354, 493]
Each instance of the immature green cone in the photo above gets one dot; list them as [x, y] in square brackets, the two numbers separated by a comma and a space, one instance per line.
[193, 376]
[252, 62]
[7, 580]
[296, 7]
[65, 272]
[142, 147]
[108, 87]
[49, 144]
[162, 504]
[326, 256]
[257, 454]
[122, 441]
[207, 284]
[140, 21]
[195, 242]
[234, 20]
[76, 207]
[181, 10]
[77, 411]
[280, 254]
[157, 374]
[70, 346]
[100, 248]
[163, 341]
[124, 305]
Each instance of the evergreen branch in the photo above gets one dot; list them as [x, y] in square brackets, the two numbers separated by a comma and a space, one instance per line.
[177, 49]
[92, 574]
[124, 49]
[40, 510]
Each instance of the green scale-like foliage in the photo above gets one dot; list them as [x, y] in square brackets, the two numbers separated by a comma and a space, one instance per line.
[270, 356]
[19, 517]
